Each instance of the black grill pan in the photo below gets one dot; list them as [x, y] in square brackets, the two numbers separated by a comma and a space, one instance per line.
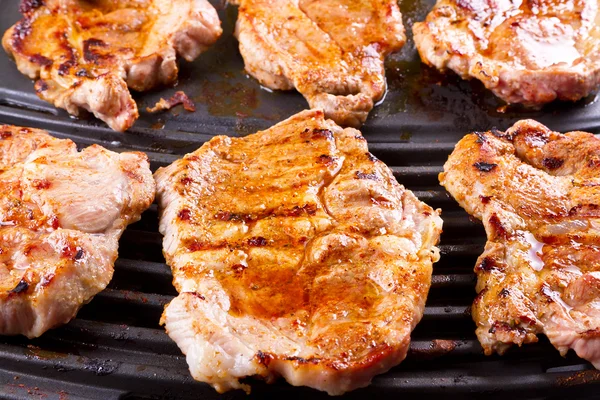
[115, 348]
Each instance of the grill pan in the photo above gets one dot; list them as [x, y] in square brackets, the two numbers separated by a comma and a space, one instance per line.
[115, 349]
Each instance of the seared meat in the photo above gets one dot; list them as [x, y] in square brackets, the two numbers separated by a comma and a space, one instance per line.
[295, 253]
[538, 195]
[85, 54]
[331, 51]
[61, 215]
[530, 52]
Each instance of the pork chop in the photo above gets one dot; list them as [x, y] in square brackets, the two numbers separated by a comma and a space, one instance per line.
[61, 215]
[331, 51]
[85, 54]
[529, 52]
[295, 253]
[538, 195]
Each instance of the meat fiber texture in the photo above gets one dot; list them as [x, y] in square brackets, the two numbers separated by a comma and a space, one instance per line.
[538, 195]
[61, 215]
[295, 253]
[85, 55]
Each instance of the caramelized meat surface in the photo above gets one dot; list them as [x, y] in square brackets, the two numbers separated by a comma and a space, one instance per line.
[61, 215]
[331, 51]
[85, 54]
[295, 253]
[529, 52]
[538, 195]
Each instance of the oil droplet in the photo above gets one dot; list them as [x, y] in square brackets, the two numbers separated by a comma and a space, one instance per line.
[534, 252]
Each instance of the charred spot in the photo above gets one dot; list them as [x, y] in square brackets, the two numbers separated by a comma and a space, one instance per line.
[257, 241]
[499, 229]
[496, 132]
[484, 167]
[82, 73]
[301, 360]
[371, 157]
[529, 321]
[322, 133]
[30, 5]
[591, 333]
[363, 175]
[195, 245]
[229, 216]
[587, 210]
[552, 163]
[184, 214]
[238, 268]
[480, 295]
[79, 254]
[310, 209]
[480, 137]
[485, 199]
[54, 222]
[186, 180]
[21, 31]
[41, 60]
[326, 159]
[593, 163]
[41, 86]
[65, 68]
[89, 54]
[504, 292]
[264, 358]
[21, 287]
[69, 251]
[5, 134]
[302, 240]
[500, 326]
[487, 264]
[41, 184]
[198, 295]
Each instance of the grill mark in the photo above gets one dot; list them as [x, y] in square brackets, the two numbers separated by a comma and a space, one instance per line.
[264, 358]
[301, 360]
[41, 86]
[371, 157]
[485, 167]
[326, 159]
[89, 54]
[480, 137]
[504, 293]
[5, 134]
[21, 31]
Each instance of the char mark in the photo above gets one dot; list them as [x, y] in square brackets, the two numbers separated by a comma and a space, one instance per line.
[264, 358]
[89, 54]
[30, 5]
[41, 60]
[552, 163]
[487, 264]
[484, 167]
[257, 241]
[363, 175]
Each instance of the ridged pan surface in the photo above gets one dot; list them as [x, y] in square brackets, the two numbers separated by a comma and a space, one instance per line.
[115, 348]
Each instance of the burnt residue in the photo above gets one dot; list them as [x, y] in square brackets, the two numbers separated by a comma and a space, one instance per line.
[301, 360]
[101, 367]
[21, 287]
[326, 159]
[484, 166]
[41, 86]
[435, 349]
[257, 241]
[364, 175]
[579, 378]
[480, 137]
[499, 230]
[308, 209]
[504, 293]
[264, 358]
[552, 163]
[236, 217]
[486, 265]
[65, 68]
[41, 60]
[371, 157]
[80, 253]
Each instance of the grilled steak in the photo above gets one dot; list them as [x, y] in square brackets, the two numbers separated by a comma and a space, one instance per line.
[296, 253]
[61, 215]
[85, 54]
[529, 52]
[331, 51]
[538, 195]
